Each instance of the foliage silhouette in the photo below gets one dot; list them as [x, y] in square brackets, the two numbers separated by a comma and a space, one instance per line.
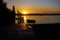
[7, 16]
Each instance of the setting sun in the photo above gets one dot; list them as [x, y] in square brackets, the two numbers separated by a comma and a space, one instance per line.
[24, 11]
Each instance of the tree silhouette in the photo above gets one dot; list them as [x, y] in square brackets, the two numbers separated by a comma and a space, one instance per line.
[6, 15]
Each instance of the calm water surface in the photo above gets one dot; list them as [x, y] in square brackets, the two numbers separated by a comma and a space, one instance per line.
[43, 19]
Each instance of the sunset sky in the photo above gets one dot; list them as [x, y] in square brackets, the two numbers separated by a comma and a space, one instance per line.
[35, 6]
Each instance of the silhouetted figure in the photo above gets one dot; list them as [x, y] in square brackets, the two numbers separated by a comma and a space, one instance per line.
[20, 18]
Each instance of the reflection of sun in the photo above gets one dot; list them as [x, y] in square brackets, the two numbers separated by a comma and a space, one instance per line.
[25, 19]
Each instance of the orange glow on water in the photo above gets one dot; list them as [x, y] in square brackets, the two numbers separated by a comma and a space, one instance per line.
[25, 19]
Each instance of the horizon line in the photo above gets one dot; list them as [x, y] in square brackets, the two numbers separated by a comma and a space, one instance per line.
[37, 14]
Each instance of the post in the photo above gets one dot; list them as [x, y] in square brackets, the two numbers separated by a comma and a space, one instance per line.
[13, 14]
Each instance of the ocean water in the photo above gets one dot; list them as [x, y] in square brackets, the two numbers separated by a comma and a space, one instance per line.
[43, 19]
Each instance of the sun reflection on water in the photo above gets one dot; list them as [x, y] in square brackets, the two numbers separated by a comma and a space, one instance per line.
[25, 21]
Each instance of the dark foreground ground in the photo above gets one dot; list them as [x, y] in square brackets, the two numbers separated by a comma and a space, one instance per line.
[38, 32]
[14, 32]
[47, 31]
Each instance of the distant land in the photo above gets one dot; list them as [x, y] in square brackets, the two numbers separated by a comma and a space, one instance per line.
[39, 14]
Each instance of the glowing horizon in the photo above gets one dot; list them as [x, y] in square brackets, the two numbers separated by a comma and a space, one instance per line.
[42, 11]
[24, 11]
[35, 6]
